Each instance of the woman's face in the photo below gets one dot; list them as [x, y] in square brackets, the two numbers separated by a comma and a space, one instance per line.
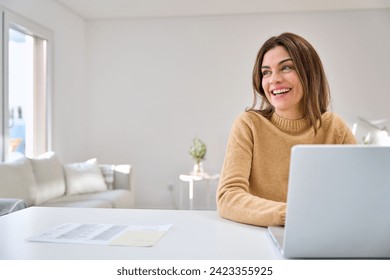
[281, 83]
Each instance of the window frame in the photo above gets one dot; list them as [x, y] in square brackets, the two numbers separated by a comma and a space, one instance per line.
[14, 21]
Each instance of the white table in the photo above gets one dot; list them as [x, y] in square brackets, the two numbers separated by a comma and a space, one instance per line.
[190, 179]
[194, 235]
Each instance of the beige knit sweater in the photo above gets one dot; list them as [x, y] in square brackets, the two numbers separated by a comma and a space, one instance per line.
[253, 184]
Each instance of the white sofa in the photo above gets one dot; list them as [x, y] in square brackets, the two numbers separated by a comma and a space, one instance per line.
[45, 181]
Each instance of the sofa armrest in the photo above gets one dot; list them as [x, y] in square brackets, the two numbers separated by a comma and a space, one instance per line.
[122, 177]
[118, 177]
[9, 205]
[122, 180]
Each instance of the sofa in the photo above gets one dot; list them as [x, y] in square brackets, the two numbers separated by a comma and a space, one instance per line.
[45, 181]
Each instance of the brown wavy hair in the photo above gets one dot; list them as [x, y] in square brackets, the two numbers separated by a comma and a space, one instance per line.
[316, 93]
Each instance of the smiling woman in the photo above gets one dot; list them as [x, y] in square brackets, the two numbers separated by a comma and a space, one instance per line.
[289, 79]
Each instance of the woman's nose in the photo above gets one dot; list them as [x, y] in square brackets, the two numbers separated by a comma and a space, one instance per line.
[275, 77]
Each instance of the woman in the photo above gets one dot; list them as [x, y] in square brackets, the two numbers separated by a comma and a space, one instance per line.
[289, 79]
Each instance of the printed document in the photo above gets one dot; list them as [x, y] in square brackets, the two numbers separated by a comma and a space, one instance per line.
[103, 234]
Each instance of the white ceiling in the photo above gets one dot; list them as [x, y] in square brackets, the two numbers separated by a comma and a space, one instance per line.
[111, 9]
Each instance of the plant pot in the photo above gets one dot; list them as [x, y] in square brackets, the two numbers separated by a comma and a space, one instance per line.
[198, 168]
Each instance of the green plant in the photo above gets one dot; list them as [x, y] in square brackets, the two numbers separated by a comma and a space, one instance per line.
[198, 150]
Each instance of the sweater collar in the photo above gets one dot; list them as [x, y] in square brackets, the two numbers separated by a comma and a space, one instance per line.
[287, 125]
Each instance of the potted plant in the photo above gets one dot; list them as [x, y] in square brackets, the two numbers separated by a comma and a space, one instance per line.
[198, 153]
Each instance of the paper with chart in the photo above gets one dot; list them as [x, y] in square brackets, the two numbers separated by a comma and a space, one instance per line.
[103, 234]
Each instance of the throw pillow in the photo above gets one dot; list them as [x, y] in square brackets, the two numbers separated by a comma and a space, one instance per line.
[17, 181]
[49, 175]
[108, 174]
[84, 177]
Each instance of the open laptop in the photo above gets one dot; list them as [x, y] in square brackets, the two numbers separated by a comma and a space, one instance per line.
[338, 203]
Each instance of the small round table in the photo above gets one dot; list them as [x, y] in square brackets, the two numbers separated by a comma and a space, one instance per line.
[191, 178]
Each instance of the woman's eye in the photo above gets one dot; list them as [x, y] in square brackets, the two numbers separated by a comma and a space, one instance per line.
[287, 68]
[266, 73]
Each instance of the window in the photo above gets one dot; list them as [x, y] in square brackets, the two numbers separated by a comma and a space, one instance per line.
[26, 88]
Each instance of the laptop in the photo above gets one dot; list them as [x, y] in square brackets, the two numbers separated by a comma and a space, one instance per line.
[338, 203]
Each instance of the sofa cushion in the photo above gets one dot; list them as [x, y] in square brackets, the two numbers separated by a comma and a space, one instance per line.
[108, 174]
[17, 181]
[65, 202]
[49, 175]
[84, 177]
[102, 199]
[116, 198]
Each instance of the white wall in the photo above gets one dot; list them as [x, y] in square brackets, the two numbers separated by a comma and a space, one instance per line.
[154, 84]
[138, 91]
[69, 121]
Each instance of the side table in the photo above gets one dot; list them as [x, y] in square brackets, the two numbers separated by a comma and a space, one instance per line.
[190, 179]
